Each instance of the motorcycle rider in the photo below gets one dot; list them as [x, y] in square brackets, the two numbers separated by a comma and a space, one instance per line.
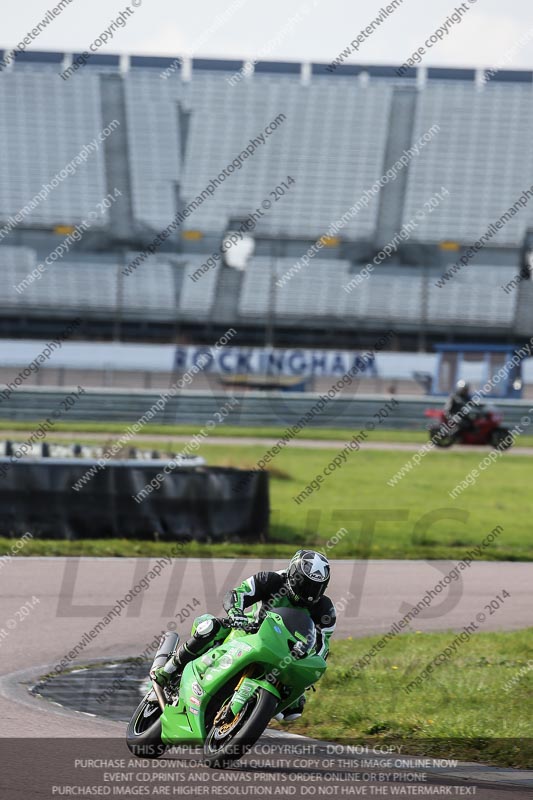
[459, 407]
[302, 585]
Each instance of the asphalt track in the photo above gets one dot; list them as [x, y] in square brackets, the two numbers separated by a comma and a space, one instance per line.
[75, 594]
[225, 441]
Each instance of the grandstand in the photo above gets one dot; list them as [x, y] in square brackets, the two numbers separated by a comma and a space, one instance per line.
[161, 138]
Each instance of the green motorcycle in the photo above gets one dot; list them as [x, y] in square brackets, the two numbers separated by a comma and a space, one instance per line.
[225, 698]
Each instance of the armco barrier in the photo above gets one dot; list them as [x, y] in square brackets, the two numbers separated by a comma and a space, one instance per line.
[254, 409]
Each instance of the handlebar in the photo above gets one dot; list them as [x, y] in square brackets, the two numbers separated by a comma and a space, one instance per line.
[227, 622]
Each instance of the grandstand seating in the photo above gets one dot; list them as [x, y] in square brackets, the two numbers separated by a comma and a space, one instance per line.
[254, 300]
[473, 298]
[313, 291]
[14, 259]
[390, 294]
[89, 285]
[44, 124]
[339, 134]
[331, 142]
[150, 291]
[196, 297]
[482, 155]
[154, 145]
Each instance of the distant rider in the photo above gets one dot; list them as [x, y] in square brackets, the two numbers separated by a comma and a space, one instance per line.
[459, 406]
[302, 584]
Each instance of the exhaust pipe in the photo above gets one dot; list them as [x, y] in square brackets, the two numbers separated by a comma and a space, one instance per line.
[167, 647]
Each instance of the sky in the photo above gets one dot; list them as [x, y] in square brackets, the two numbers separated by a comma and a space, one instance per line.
[296, 30]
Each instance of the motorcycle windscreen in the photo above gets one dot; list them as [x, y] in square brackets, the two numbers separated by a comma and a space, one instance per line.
[300, 626]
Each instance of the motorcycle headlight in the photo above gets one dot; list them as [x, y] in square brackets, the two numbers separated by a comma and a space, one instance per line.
[299, 649]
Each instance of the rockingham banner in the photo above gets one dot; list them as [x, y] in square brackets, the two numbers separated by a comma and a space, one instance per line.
[16, 354]
[271, 361]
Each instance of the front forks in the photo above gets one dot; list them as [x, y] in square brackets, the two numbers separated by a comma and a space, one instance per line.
[161, 699]
[222, 713]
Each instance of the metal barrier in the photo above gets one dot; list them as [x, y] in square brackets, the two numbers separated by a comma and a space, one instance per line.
[253, 409]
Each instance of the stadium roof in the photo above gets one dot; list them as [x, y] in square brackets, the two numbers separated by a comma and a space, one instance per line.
[279, 67]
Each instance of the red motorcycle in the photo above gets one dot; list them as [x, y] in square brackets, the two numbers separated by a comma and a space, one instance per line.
[486, 428]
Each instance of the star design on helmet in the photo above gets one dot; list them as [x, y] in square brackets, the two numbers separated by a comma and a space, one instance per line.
[319, 567]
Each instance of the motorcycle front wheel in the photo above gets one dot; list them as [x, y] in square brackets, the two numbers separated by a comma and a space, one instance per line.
[440, 439]
[500, 439]
[143, 735]
[230, 740]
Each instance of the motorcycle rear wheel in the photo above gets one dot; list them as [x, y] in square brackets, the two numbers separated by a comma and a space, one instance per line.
[221, 749]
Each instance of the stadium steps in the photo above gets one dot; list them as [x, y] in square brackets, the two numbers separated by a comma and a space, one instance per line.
[116, 155]
[227, 295]
[524, 309]
[392, 195]
[184, 124]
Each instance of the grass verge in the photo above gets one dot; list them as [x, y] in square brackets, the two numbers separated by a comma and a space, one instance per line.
[415, 519]
[238, 432]
[464, 710]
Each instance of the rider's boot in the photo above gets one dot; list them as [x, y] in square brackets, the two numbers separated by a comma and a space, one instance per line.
[292, 712]
[205, 632]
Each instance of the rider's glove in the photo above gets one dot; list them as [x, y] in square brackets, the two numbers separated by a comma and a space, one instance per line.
[238, 618]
